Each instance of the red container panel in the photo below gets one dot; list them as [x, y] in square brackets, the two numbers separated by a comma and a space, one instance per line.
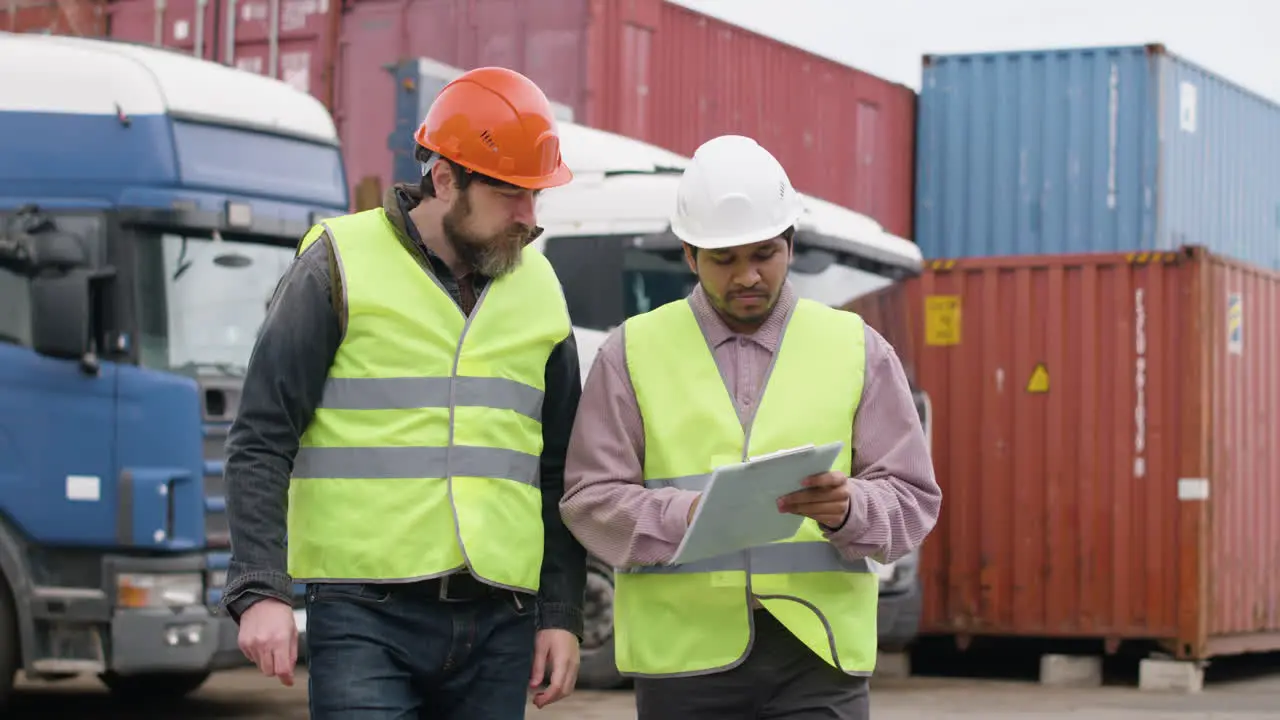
[1244, 339]
[843, 135]
[544, 40]
[87, 18]
[239, 34]
[1104, 435]
[643, 68]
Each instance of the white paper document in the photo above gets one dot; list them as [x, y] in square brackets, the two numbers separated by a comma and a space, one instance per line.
[739, 507]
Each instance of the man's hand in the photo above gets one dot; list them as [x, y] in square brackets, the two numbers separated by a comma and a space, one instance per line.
[825, 499]
[692, 509]
[557, 650]
[269, 637]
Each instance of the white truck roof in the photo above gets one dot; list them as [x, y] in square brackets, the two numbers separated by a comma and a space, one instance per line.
[60, 74]
[623, 185]
[626, 186]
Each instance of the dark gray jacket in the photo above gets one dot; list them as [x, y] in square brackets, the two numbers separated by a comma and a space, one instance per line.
[283, 386]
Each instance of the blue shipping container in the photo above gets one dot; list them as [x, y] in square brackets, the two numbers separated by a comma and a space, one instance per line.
[1122, 149]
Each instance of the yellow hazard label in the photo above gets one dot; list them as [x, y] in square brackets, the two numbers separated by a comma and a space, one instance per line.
[1039, 382]
[942, 320]
[1235, 324]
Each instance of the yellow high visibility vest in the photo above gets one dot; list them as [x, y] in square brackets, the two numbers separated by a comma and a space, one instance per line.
[423, 456]
[696, 618]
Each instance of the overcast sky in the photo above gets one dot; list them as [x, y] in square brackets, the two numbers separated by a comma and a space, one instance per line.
[1239, 39]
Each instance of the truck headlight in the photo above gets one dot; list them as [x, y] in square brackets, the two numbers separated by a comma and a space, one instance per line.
[147, 590]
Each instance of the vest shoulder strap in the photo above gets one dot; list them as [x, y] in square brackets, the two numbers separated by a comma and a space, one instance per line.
[810, 314]
[342, 226]
[652, 325]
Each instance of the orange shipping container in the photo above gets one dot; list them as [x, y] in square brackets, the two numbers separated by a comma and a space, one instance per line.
[1106, 438]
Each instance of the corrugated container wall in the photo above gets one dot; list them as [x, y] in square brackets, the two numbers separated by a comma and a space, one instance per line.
[544, 40]
[649, 70]
[346, 51]
[643, 68]
[1104, 431]
[59, 17]
[286, 39]
[1093, 150]
[843, 135]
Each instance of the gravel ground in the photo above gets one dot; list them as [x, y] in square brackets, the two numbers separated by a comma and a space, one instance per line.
[248, 696]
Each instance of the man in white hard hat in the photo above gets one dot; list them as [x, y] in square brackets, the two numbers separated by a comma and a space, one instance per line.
[743, 368]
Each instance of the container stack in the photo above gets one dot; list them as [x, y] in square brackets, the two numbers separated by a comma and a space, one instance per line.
[648, 69]
[1099, 325]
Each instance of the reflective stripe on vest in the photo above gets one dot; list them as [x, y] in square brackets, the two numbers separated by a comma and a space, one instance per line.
[696, 618]
[429, 432]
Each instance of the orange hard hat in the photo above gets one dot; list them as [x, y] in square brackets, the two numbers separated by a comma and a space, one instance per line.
[498, 123]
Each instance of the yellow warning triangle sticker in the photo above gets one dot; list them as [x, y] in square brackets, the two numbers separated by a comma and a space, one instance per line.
[1039, 382]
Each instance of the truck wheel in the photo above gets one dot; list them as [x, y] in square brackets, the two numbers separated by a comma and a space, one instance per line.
[153, 686]
[598, 670]
[9, 651]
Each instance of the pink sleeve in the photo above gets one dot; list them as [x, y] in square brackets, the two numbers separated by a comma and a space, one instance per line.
[895, 496]
[605, 503]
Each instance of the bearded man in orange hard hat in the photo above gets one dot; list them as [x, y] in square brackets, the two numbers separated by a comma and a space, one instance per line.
[409, 401]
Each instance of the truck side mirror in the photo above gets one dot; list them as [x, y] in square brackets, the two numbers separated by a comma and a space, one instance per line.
[15, 256]
[62, 314]
[62, 299]
[33, 243]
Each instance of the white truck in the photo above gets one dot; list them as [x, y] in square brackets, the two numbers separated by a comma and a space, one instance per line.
[609, 238]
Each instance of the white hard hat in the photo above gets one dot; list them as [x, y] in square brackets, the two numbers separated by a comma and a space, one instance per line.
[733, 193]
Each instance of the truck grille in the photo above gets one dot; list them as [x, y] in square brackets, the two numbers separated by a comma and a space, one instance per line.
[220, 398]
[215, 521]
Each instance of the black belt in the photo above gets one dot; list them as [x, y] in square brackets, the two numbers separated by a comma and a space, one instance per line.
[458, 587]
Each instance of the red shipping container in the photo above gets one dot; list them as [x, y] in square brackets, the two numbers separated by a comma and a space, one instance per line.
[844, 135]
[287, 39]
[1105, 435]
[544, 40]
[87, 18]
[643, 68]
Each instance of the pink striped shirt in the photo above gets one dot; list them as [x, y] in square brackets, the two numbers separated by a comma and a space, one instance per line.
[895, 497]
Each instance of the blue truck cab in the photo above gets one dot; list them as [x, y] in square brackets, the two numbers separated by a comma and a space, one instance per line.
[149, 203]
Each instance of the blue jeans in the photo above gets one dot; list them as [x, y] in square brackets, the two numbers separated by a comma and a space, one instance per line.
[397, 652]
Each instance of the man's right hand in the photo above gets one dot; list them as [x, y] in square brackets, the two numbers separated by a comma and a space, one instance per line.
[269, 637]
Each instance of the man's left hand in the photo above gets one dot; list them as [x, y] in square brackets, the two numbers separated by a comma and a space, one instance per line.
[557, 651]
[825, 499]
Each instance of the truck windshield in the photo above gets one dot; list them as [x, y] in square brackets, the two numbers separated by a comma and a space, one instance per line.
[202, 299]
[608, 279]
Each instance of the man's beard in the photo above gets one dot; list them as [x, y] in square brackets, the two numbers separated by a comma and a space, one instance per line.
[725, 307]
[492, 256]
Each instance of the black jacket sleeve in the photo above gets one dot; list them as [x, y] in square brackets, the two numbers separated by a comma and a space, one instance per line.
[564, 564]
[282, 387]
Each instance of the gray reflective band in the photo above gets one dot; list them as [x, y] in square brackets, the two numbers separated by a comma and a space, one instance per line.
[696, 483]
[415, 462]
[431, 392]
[777, 558]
